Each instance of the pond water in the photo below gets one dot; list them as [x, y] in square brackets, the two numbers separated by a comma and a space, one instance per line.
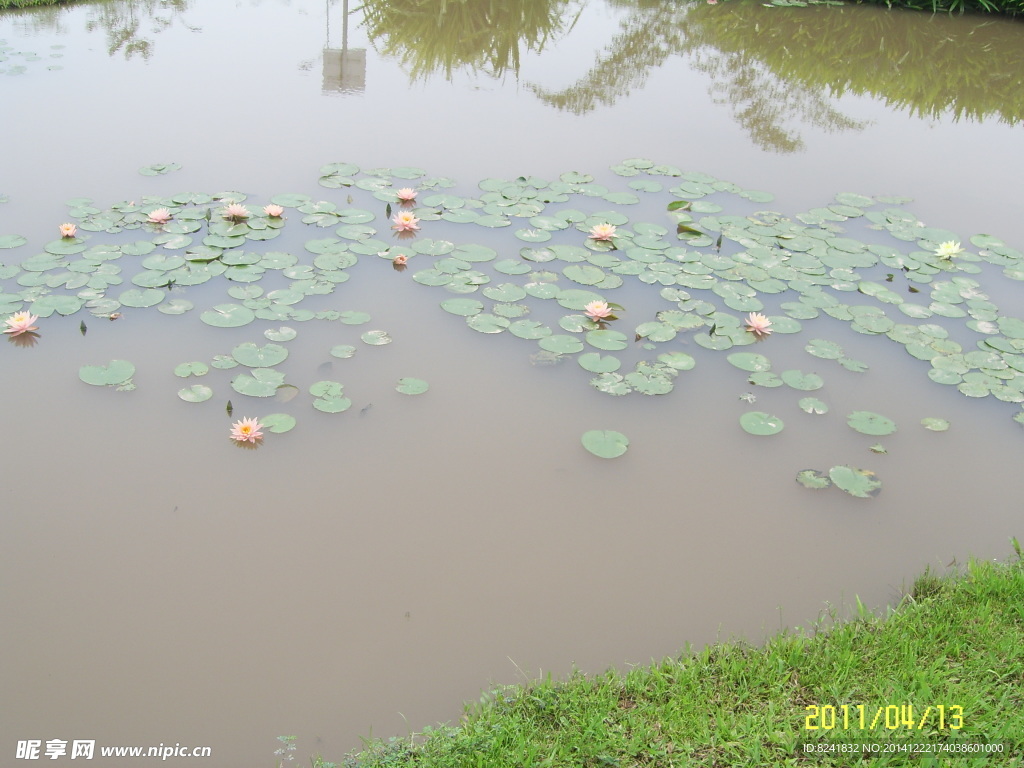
[369, 570]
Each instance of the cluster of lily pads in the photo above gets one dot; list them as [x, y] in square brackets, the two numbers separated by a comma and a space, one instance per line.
[13, 62]
[688, 269]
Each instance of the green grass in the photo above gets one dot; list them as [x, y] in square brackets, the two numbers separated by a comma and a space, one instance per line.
[956, 640]
[29, 3]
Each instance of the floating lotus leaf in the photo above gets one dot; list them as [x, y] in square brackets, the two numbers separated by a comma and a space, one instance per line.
[332, 404]
[827, 350]
[761, 423]
[376, 338]
[561, 343]
[765, 379]
[159, 169]
[12, 241]
[512, 267]
[278, 422]
[607, 444]
[135, 297]
[577, 299]
[433, 247]
[462, 307]
[228, 316]
[813, 479]
[656, 331]
[259, 382]
[607, 340]
[197, 393]
[853, 365]
[529, 329]
[112, 374]
[487, 323]
[410, 386]
[856, 482]
[45, 306]
[812, 405]
[750, 361]
[715, 341]
[351, 317]
[284, 333]
[680, 361]
[194, 368]
[506, 292]
[597, 363]
[802, 381]
[868, 423]
[224, 362]
[255, 356]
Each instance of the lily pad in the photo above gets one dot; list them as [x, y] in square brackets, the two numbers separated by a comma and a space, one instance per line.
[813, 405]
[868, 423]
[935, 424]
[411, 386]
[805, 382]
[813, 479]
[856, 482]
[197, 393]
[255, 356]
[194, 368]
[376, 338]
[113, 373]
[278, 422]
[606, 444]
[761, 423]
[228, 316]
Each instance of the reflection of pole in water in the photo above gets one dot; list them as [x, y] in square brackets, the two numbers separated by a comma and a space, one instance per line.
[344, 71]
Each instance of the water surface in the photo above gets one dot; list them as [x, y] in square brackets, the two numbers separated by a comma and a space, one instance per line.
[365, 574]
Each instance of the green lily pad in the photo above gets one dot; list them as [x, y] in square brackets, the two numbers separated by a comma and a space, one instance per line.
[868, 423]
[750, 361]
[113, 373]
[813, 405]
[255, 356]
[935, 424]
[462, 307]
[761, 423]
[12, 241]
[376, 338]
[813, 479]
[805, 382]
[197, 393]
[278, 422]
[562, 344]
[606, 444]
[228, 316]
[856, 482]
[343, 351]
[284, 333]
[258, 382]
[597, 363]
[194, 368]
[410, 386]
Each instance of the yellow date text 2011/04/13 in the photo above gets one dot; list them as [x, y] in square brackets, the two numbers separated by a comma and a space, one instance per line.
[890, 717]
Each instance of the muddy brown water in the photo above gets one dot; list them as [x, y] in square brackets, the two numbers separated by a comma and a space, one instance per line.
[366, 574]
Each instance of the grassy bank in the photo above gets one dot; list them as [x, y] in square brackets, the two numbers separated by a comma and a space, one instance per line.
[955, 641]
[29, 3]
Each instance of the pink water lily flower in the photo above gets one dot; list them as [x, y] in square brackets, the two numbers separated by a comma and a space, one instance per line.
[160, 216]
[405, 221]
[235, 211]
[246, 430]
[68, 230]
[19, 323]
[598, 310]
[273, 210]
[758, 324]
[602, 232]
[406, 194]
[400, 259]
